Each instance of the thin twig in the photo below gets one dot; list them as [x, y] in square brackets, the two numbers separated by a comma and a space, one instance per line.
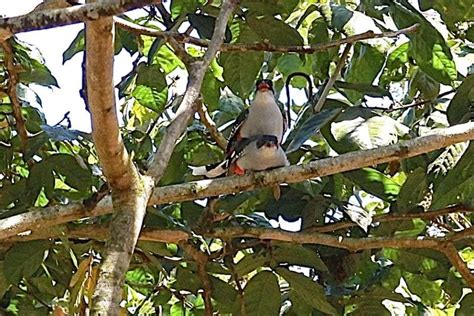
[210, 125]
[13, 80]
[393, 218]
[452, 254]
[390, 109]
[264, 46]
[332, 79]
[201, 261]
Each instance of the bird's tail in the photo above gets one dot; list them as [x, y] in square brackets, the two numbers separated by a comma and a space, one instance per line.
[210, 171]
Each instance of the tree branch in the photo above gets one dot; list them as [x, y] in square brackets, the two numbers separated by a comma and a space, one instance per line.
[332, 79]
[13, 80]
[40, 218]
[210, 125]
[130, 192]
[443, 245]
[452, 254]
[186, 111]
[262, 46]
[201, 261]
[429, 215]
[39, 20]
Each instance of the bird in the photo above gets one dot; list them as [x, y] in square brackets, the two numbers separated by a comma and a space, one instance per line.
[257, 153]
[263, 118]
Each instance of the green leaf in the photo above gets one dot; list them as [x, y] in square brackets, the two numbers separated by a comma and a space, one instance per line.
[276, 31]
[76, 46]
[211, 91]
[451, 14]
[374, 182]
[76, 174]
[151, 98]
[4, 285]
[38, 73]
[241, 70]
[396, 66]
[358, 128]
[340, 17]
[413, 190]
[462, 104]
[181, 7]
[458, 185]
[427, 46]
[271, 7]
[167, 60]
[225, 295]
[60, 133]
[467, 306]
[128, 40]
[321, 60]
[298, 255]
[41, 176]
[309, 291]
[308, 128]
[204, 24]
[23, 259]
[187, 280]
[151, 76]
[250, 263]
[262, 295]
[365, 64]
[428, 87]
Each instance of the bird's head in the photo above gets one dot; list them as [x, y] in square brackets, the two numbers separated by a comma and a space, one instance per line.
[264, 85]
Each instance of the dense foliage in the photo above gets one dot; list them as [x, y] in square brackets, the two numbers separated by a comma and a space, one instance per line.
[390, 89]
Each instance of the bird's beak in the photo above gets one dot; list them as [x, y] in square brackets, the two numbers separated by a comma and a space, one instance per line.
[263, 86]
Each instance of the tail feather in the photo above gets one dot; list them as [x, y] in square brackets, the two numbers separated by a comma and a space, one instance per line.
[210, 171]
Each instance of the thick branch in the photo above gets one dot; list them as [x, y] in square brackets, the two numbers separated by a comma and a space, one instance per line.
[13, 80]
[262, 46]
[39, 20]
[207, 188]
[114, 159]
[129, 192]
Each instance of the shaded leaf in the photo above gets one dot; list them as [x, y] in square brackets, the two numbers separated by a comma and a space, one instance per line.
[461, 107]
[413, 190]
[298, 255]
[76, 46]
[374, 182]
[308, 128]
[262, 295]
[204, 24]
[23, 259]
[309, 291]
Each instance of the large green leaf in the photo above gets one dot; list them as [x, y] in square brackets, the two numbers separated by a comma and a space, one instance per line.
[374, 182]
[275, 31]
[358, 128]
[262, 295]
[298, 255]
[365, 64]
[458, 185]
[23, 259]
[76, 174]
[309, 291]
[241, 70]
[308, 128]
[427, 46]
[38, 73]
[413, 190]
[461, 107]
[450, 11]
[271, 7]
[204, 24]
[467, 306]
[225, 295]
